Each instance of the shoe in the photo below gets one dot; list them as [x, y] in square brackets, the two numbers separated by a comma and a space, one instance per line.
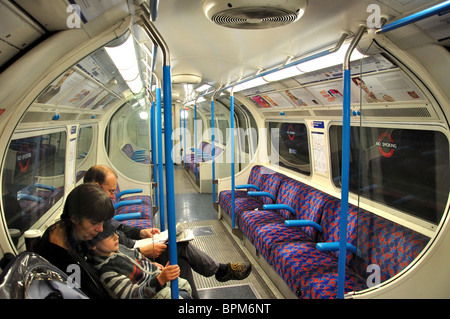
[236, 271]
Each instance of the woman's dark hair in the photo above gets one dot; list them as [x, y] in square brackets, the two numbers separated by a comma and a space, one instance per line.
[86, 201]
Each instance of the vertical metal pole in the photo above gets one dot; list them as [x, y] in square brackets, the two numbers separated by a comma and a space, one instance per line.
[184, 132]
[213, 151]
[170, 188]
[160, 160]
[233, 208]
[345, 166]
[195, 133]
[168, 143]
[154, 150]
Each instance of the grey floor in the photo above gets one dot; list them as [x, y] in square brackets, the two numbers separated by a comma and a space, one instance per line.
[214, 238]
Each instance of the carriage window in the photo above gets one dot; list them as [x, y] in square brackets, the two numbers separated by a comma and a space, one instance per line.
[289, 146]
[402, 168]
[86, 152]
[33, 178]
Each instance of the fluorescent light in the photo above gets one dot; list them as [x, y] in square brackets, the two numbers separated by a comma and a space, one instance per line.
[135, 85]
[124, 58]
[143, 115]
[282, 74]
[248, 84]
[202, 88]
[328, 60]
[184, 114]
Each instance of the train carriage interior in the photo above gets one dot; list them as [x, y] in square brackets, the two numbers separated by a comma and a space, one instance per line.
[308, 138]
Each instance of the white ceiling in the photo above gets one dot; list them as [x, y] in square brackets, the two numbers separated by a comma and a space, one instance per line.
[198, 46]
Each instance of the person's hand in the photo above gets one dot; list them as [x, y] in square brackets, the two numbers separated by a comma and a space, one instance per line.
[149, 232]
[158, 265]
[168, 273]
[153, 250]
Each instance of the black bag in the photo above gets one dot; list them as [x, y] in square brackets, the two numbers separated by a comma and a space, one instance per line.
[30, 276]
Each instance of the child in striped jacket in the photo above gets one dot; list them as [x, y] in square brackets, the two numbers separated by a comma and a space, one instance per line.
[127, 274]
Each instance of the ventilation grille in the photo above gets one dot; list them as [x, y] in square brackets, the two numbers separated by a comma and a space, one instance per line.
[254, 17]
[403, 112]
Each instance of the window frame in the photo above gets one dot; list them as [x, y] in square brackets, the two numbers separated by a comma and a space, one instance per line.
[383, 209]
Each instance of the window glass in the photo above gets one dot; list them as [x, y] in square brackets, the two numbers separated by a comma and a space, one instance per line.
[407, 169]
[33, 178]
[289, 146]
[86, 150]
[127, 142]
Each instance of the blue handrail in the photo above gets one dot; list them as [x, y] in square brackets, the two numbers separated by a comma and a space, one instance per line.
[154, 150]
[279, 206]
[334, 246]
[170, 188]
[345, 165]
[261, 194]
[160, 161]
[437, 9]
[246, 186]
[184, 134]
[127, 202]
[233, 209]
[195, 131]
[302, 223]
[127, 216]
[128, 192]
[168, 143]
[213, 151]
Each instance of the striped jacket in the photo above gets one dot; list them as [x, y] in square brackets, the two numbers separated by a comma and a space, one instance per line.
[128, 274]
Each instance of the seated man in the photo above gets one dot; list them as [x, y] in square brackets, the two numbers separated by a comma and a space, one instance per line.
[189, 256]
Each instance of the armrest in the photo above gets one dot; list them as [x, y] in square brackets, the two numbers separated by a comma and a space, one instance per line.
[261, 194]
[29, 197]
[302, 223]
[246, 186]
[129, 191]
[127, 216]
[127, 202]
[279, 206]
[51, 188]
[334, 246]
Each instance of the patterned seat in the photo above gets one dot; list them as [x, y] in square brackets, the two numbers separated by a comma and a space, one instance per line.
[294, 251]
[145, 208]
[139, 223]
[225, 196]
[121, 196]
[306, 270]
[270, 182]
[137, 156]
[389, 245]
[307, 203]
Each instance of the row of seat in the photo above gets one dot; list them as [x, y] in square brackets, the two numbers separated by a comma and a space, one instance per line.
[133, 209]
[138, 156]
[295, 227]
[201, 155]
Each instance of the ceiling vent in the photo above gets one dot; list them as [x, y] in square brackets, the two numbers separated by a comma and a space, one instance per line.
[253, 14]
